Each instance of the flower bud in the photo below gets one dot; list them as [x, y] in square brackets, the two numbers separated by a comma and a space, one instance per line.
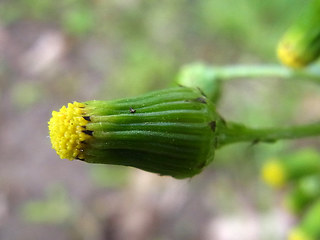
[203, 77]
[300, 44]
[276, 172]
[298, 234]
[309, 227]
[169, 132]
[304, 192]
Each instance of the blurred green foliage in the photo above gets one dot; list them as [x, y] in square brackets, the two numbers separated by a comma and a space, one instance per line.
[56, 208]
[78, 21]
[75, 17]
[109, 176]
[25, 94]
[153, 39]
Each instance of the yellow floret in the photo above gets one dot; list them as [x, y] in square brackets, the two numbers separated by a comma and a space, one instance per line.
[273, 173]
[288, 57]
[297, 234]
[66, 131]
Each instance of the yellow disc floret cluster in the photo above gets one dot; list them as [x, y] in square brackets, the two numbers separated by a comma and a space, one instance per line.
[273, 173]
[297, 234]
[288, 57]
[66, 131]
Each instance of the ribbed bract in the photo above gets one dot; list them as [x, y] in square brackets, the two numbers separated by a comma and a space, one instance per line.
[170, 132]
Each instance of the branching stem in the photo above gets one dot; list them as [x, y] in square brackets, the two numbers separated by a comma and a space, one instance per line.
[234, 132]
[258, 71]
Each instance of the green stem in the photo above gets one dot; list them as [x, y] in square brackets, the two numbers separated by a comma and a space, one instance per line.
[251, 71]
[234, 132]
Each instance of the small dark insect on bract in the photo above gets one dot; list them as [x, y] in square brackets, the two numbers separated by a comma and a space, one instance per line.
[132, 110]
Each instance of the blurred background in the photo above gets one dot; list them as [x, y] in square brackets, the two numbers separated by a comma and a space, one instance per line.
[55, 52]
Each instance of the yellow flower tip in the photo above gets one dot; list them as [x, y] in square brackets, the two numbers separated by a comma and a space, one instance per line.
[66, 131]
[274, 174]
[297, 234]
[288, 57]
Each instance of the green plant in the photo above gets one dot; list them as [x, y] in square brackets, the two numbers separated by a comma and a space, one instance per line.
[300, 45]
[55, 208]
[171, 132]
